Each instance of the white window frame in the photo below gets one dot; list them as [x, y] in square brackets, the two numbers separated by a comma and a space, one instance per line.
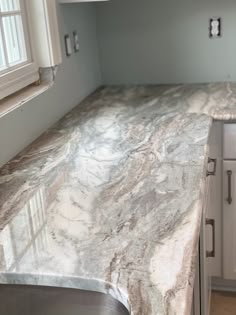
[44, 46]
[23, 74]
[45, 32]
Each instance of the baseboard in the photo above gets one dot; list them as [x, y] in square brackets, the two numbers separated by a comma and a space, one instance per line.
[219, 284]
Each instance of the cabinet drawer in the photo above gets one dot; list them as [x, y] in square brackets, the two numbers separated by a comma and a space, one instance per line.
[229, 146]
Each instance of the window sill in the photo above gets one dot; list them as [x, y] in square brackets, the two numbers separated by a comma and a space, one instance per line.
[17, 99]
[15, 80]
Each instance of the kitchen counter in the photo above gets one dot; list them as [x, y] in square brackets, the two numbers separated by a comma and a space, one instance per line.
[110, 198]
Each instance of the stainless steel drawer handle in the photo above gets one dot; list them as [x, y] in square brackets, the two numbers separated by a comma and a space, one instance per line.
[229, 198]
[212, 173]
[212, 253]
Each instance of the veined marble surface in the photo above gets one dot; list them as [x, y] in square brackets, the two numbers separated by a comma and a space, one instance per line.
[110, 198]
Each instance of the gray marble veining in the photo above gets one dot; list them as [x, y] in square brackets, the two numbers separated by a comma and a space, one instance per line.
[110, 198]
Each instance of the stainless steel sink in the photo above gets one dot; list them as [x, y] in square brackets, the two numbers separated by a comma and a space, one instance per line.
[33, 300]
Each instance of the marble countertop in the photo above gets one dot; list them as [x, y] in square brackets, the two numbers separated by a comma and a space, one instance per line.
[110, 198]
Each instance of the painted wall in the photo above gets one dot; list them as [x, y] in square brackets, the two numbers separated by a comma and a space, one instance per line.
[140, 42]
[77, 77]
[166, 41]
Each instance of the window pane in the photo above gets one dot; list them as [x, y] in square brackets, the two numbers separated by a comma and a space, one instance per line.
[9, 5]
[15, 43]
[2, 57]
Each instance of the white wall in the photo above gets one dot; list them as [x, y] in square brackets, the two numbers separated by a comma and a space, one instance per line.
[166, 41]
[78, 76]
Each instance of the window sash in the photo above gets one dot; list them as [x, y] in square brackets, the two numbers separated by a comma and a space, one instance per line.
[16, 76]
[42, 44]
[15, 19]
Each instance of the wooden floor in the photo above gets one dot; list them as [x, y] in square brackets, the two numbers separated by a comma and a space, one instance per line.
[223, 303]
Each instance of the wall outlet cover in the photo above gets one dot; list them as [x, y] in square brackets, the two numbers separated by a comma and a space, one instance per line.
[215, 29]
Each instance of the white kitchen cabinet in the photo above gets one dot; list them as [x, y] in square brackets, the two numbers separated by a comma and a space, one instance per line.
[210, 247]
[229, 220]
[215, 196]
[206, 250]
[229, 202]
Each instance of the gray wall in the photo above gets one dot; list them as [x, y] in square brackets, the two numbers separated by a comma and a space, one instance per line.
[78, 76]
[140, 41]
[166, 41]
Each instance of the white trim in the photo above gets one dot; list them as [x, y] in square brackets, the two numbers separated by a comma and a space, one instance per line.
[45, 32]
[220, 284]
[223, 289]
[13, 81]
[18, 99]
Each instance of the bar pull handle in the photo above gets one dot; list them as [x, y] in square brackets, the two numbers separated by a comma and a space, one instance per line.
[229, 198]
[212, 254]
[213, 172]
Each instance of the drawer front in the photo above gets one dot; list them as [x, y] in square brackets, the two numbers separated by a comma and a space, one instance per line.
[229, 141]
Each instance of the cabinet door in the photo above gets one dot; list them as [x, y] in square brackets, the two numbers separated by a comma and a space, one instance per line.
[210, 238]
[214, 210]
[196, 305]
[229, 220]
[206, 247]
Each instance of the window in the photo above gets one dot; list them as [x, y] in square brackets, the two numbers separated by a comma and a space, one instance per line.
[17, 68]
[13, 50]
[29, 39]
